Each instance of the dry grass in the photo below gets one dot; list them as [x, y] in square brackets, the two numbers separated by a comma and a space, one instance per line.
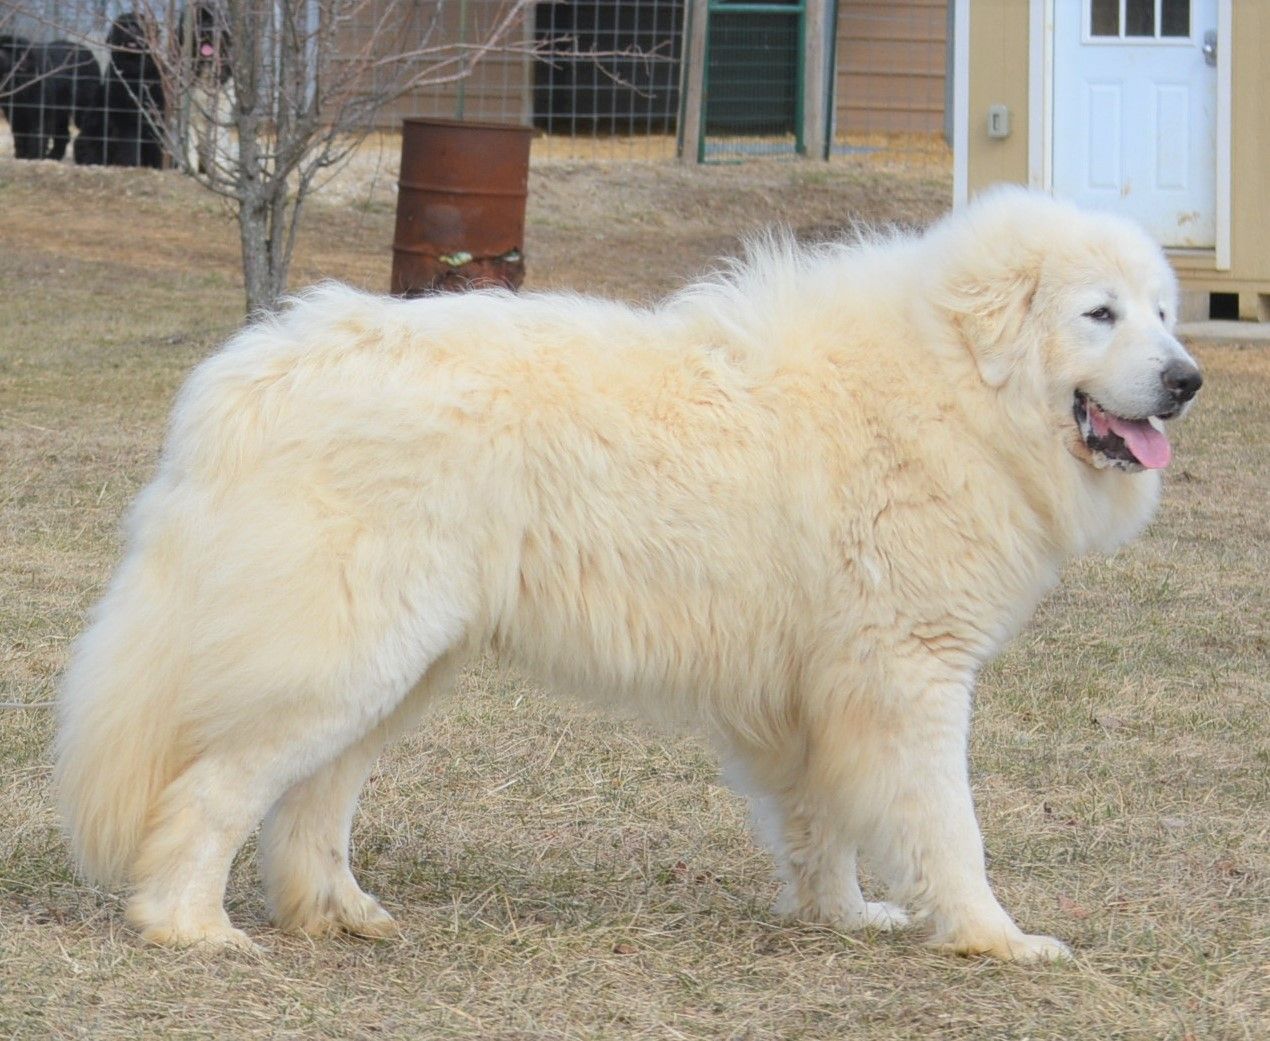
[556, 876]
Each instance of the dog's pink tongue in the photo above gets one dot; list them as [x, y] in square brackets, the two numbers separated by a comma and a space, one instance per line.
[1149, 446]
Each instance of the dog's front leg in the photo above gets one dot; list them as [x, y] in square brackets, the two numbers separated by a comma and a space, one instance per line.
[925, 835]
[797, 812]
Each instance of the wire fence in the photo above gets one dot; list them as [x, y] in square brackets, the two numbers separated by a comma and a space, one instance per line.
[597, 79]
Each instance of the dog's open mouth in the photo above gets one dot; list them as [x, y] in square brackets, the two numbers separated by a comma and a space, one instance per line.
[1126, 444]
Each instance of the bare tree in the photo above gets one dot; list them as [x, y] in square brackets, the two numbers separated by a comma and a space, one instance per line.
[307, 79]
[260, 99]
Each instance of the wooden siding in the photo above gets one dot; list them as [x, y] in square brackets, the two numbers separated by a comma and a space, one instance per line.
[891, 61]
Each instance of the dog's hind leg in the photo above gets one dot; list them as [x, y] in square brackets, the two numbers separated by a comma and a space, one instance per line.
[304, 843]
[268, 714]
[183, 865]
[204, 815]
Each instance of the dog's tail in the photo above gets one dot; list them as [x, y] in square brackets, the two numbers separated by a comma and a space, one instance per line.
[119, 720]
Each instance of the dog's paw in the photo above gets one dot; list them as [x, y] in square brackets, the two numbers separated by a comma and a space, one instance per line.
[356, 913]
[371, 921]
[1013, 946]
[183, 927]
[1038, 947]
[848, 917]
[879, 915]
[225, 937]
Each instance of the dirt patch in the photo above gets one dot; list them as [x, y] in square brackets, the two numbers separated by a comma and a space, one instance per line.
[620, 227]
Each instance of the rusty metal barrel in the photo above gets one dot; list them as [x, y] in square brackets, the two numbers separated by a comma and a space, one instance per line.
[460, 206]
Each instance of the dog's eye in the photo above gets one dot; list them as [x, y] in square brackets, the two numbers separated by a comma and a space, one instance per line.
[1101, 314]
[1162, 318]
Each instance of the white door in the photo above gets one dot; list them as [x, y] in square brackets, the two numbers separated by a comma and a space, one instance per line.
[1135, 112]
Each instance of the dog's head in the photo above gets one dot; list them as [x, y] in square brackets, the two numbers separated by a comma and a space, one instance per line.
[132, 33]
[1077, 308]
[205, 37]
[14, 54]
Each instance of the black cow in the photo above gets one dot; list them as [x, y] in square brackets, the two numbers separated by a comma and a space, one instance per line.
[44, 88]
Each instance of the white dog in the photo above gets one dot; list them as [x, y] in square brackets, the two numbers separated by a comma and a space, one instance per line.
[798, 506]
[205, 111]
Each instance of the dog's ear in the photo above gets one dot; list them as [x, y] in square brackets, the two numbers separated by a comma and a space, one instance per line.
[992, 313]
[987, 260]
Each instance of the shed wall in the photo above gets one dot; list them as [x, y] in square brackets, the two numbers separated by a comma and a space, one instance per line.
[998, 75]
[891, 62]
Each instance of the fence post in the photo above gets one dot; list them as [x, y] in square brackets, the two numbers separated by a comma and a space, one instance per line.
[821, 30]
[692, 74]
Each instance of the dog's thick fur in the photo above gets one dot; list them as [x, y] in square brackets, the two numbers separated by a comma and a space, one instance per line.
[798, 506]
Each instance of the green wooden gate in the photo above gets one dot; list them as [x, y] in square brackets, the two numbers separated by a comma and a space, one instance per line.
[752, 94]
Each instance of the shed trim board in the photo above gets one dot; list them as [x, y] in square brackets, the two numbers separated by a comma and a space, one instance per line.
[1225, 84]
[1040, 93]
[1040, 111]
[961, 102]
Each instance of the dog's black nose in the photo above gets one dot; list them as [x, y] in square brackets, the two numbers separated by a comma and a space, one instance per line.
[1182, 380]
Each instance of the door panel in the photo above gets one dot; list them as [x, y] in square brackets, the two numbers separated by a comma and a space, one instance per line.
[1106, 133]
[1135, 106]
